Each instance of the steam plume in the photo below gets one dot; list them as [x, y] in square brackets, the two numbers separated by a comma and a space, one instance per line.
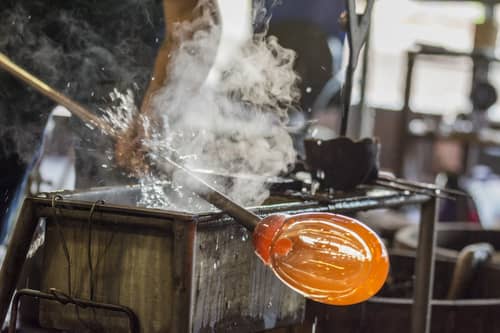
[236, 127]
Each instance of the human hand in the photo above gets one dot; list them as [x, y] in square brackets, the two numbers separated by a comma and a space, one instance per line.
[130, 152]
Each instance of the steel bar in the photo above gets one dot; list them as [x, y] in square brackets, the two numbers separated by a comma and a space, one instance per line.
[15, 256]
[420, 185]
[75, 108]
[357, 32]
[183, 273]
[66, 299]
[405, 115]
[248, 219]
[424, 268]
[399, 186]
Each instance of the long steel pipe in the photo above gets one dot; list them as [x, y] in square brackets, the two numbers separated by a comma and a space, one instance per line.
[61, 99]
[424, 268]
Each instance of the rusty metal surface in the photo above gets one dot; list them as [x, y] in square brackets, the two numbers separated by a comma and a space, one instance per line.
[233, 290]
[133, 267]
[178, 271]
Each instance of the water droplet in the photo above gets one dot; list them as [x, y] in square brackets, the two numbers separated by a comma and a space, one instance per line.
[308, 90]
[244, 237]
[104, 166]
[319, 142]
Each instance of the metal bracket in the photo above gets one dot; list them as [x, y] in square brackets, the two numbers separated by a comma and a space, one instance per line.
[64, 299]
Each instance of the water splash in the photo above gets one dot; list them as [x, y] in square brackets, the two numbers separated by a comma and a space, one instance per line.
[236, 127]
[121, 112]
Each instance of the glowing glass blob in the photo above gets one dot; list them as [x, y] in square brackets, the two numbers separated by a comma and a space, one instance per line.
[328, 258]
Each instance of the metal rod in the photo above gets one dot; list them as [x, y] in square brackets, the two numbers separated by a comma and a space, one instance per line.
[399, 186]
[424, 186]
[405, 115]
[346, 93]
[75, 108]
[424, 268]
[15, 256]
[242, 215]
[64, 299]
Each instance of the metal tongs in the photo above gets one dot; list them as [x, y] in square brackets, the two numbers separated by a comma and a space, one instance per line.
[342, 162]
[357, 27]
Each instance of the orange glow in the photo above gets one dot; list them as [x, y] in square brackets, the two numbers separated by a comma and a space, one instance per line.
[328, 258]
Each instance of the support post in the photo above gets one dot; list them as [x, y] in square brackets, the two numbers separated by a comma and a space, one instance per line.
[424, 268]
[15, 256]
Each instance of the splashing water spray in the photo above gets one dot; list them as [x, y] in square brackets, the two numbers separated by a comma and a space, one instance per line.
[326, 257]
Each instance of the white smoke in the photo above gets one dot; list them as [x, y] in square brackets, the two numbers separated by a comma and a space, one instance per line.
[237, 127]
[67, 45]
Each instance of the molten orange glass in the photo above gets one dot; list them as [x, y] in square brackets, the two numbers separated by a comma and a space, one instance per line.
[328, 258]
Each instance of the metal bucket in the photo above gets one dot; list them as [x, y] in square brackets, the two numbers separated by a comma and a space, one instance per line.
[178, 272]
[451, 238]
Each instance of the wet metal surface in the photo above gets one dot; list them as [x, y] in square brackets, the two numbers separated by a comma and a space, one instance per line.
[177, 271]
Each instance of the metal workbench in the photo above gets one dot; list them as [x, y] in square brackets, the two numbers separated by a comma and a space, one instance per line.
[76, 207]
